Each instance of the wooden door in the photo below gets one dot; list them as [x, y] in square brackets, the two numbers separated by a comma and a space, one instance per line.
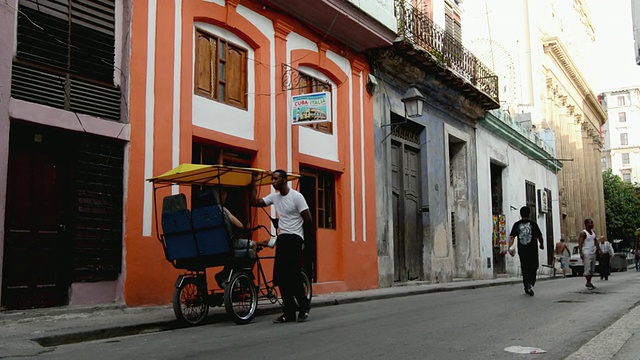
[549, 225]
[407, 222]
[36, 270]
[309, 189]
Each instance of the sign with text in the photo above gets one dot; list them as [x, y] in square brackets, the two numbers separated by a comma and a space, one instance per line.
[311, 108]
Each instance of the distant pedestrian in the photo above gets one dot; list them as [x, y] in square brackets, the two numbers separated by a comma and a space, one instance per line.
[588, 246]
[527, 232]
[563, 253]
[636, 253]
[605, 258]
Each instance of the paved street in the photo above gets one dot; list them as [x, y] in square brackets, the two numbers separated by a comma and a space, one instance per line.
[464, 324]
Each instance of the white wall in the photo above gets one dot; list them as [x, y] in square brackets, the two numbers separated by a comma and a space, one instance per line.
[518, 169]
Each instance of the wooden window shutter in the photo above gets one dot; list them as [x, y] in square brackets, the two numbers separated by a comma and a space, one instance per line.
[203, 65]
[236, 76]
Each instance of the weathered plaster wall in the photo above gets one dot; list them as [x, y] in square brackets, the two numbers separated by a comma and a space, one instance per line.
[441, 261]
[518, 168]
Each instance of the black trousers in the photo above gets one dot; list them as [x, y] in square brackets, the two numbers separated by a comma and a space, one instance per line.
[529, 266]
[605, 269]
[286, 274]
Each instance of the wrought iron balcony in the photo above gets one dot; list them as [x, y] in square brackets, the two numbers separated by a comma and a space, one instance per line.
[417, 28]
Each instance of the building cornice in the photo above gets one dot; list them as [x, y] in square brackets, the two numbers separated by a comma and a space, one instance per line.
[559, 53]
[520, 142]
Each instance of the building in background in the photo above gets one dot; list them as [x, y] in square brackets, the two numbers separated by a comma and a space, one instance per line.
[538, 55]
[621, 152]
[635, 20]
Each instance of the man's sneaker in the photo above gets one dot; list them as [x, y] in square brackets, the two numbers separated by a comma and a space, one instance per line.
[529, 290]
[590, 286]
[283, 319]
[303, 316]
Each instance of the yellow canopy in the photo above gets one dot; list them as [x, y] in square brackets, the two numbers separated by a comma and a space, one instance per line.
[197, 174]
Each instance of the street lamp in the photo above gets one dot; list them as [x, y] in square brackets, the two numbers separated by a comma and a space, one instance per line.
[413, 103]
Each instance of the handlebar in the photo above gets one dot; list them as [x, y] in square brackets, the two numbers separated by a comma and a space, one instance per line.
[260, 246]
[262, 227]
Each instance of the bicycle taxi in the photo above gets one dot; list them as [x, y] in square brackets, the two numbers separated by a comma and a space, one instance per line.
[200, 238]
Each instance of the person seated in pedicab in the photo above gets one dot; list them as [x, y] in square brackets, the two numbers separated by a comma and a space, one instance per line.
[238, 243]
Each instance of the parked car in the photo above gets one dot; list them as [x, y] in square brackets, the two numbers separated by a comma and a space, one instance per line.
[576, 265]
[575, 262]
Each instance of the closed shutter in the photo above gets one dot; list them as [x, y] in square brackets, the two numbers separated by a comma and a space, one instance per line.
[98, 189]
[66, 49]
[236, 76]
[203, 65]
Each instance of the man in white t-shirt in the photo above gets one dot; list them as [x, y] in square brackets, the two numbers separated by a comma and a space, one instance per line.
[293, 215]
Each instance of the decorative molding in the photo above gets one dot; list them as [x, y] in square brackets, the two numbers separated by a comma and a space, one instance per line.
[553, 46]
[282, 29]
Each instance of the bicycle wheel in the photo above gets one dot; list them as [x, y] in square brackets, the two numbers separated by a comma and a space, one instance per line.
[241, 298]
[306, 284]
[189, 303]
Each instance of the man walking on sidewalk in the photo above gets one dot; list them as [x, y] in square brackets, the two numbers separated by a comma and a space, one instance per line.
[562, 255]
[527, 232]
[588, 245]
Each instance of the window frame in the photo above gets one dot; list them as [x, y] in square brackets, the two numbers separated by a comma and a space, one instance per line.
[308, 84]
[623, 157]
[621, 100]
[624, 139]
[325, 201]
[530, 198]
[622, 117]
[224, 64]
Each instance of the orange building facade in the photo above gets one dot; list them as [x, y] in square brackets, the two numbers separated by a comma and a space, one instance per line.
[213, 82]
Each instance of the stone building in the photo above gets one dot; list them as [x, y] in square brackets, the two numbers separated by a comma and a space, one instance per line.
[542, 50]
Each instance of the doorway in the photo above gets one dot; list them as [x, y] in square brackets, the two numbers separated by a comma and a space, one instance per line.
[37, 247]
[406, 182]
[498, 218]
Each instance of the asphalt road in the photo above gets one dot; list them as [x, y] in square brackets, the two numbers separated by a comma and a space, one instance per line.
[466, 324]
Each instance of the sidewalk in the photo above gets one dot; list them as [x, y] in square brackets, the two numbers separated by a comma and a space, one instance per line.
[30, 332]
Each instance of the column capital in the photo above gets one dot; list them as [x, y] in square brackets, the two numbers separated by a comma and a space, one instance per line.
[282, 28]
[358, 66]
[232, 3]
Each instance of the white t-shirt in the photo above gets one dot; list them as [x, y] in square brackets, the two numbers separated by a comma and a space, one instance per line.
[288, 208]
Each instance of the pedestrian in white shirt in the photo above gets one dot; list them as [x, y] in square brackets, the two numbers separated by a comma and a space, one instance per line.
[605, 258]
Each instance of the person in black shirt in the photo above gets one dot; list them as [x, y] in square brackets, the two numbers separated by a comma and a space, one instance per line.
[527, 232]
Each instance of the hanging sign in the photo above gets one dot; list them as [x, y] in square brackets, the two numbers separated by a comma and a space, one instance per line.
[311, 108]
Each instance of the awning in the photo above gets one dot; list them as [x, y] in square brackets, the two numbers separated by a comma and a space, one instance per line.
[210, 175]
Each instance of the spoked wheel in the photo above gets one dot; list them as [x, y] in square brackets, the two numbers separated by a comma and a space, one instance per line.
[241, 298]
[306, 284]
[189, 302]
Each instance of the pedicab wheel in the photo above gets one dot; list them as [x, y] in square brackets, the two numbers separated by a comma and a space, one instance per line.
[189, 302]
[241, 298]
[306, 284]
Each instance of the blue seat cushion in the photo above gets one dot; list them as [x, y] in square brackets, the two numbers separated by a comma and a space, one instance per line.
[178, 235]
[210, 230]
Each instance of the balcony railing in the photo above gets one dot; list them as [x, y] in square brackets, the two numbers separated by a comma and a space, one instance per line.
[416, 27]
